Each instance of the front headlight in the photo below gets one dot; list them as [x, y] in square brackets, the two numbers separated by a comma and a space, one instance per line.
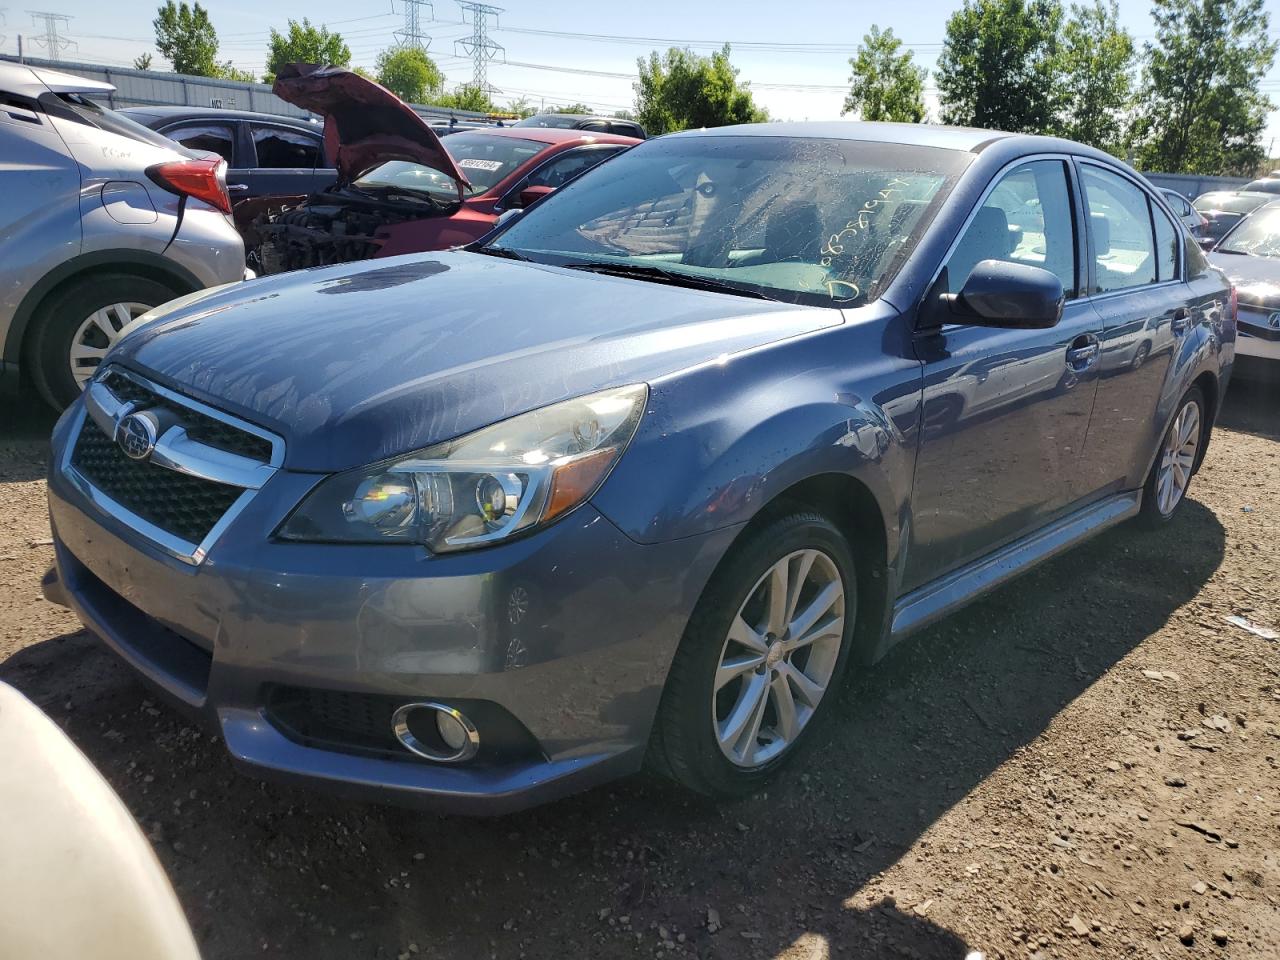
[481, 488]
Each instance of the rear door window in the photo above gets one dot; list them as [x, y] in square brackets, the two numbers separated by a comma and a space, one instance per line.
[216, 138]
[282, 148]
[1121, 239]
[1166, 246]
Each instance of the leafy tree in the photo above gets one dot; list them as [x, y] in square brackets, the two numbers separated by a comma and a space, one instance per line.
[466, 98]
[142, 61]
[1202, 109]
[572, 108]
[681, 89]
[228, 71]
[998, 65]
[885, 84]
[186, 38]
[409, 73]
[1096, 60]
[623, 115]
[305, 44]
[361, 71]
[521, 107]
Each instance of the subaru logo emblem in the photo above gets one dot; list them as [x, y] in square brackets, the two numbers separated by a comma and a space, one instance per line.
[136, 435]
[1274, 319]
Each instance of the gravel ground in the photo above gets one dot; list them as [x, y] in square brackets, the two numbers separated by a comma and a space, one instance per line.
[1083, 764]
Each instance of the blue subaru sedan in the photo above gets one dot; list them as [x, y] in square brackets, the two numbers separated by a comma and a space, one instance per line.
[644, 476]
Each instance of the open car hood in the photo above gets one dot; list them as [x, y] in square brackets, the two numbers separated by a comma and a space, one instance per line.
[365, 124]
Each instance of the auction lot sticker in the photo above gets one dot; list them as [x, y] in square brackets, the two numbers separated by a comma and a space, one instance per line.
[489, 165]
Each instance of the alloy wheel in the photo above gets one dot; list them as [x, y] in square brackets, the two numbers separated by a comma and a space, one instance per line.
[97, 334]
[1177, 458]
[778, 658]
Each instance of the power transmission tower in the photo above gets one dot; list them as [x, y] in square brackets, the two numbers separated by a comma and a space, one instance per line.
[411, 34]
[478, 46]
[51, 40]
[3, 38]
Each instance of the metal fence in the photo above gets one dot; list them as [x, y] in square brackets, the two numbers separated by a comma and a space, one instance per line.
[1191, 185]
[148, 88]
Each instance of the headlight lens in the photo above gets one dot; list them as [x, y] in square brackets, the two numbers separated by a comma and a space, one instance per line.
[481, 488]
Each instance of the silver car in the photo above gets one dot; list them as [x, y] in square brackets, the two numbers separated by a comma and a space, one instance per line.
[101, 219]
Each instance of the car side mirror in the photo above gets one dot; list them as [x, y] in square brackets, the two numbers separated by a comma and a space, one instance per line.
[531, 195]
[1014, 295]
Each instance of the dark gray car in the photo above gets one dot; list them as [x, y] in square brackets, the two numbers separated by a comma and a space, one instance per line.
[645, 474]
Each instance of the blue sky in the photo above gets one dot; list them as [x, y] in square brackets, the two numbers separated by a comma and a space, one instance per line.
[795, 52]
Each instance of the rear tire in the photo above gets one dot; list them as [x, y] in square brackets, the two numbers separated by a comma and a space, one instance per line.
[1176, 461]
[753, 678]
[66, 322]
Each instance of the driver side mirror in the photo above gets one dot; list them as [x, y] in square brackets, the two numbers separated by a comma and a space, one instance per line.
[531, 195]
[999, 293]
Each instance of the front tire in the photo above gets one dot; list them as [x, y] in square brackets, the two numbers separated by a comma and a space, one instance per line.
[78, 323]
[761, 660]
[1178, 457]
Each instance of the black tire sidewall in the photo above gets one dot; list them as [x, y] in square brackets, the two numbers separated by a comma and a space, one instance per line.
[61, 315]
[1151, 514]
[692, 754]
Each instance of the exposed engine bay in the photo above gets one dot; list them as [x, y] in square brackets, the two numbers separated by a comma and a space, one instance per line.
[339, 225]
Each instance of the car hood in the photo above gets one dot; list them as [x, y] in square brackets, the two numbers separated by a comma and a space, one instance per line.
[1256, 279]
[365, 124]
[356, 363]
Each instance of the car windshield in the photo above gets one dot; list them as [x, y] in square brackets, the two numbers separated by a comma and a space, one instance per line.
[117, 123]
[486, 159]
[1228, 202]
[804, 220]
[1258, 236]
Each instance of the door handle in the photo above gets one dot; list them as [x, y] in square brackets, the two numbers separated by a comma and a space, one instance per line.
[1083, 352]
[1181, 322]
[237, 187]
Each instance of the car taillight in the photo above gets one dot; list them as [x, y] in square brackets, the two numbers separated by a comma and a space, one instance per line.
[200, 179]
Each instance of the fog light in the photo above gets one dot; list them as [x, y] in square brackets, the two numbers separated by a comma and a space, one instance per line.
[436, 732]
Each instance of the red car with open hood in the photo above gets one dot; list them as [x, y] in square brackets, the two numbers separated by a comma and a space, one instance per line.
[400, 189]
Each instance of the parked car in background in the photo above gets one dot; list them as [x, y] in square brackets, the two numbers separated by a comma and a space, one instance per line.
[584, 121]
[1180, 205]
[400, 189]
[1250, 257]
[101, 219]
[1222, 209]
[266, 155]
[1268, 184]
[639, 476]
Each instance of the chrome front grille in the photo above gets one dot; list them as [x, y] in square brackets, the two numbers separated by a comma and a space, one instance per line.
[201, 469]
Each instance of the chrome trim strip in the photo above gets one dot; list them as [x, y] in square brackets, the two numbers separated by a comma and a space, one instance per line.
[935, 600]
[176, 452]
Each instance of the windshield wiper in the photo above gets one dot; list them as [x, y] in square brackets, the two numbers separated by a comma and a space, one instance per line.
[661, 275]
[505, 252]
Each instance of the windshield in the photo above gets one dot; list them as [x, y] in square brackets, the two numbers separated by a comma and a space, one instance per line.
[112, 122]
[485, 159]
[1228, 202]
[1258, 236]
[802, 220]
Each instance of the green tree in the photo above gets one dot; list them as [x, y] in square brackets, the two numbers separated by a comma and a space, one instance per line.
[466, 98]
[521, 107]
[998, 67]
[409, 73]
[681, 89]
[1202, 109]
[229, 71]
[1095, 64]
[885, 84]
[186, 38]
[572, 108]
[305, 44]
[142, 61]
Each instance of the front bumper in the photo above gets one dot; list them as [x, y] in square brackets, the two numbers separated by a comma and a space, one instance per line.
[1256, 336]
[567, 634]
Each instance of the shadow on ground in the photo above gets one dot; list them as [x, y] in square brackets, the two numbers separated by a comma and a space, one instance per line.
[264, 868]
[1253, 402]
[25, 425]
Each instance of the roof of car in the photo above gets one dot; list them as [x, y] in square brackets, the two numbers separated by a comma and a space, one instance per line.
[29, 81]
[551, 135]
[911, 134]
[219, 113]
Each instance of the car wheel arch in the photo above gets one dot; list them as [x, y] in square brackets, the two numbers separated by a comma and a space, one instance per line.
[144, 265]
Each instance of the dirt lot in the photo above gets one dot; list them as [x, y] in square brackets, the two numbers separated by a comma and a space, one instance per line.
[1082, 765]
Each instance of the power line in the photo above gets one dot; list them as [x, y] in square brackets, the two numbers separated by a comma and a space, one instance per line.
[51, 40]
[478, 46]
